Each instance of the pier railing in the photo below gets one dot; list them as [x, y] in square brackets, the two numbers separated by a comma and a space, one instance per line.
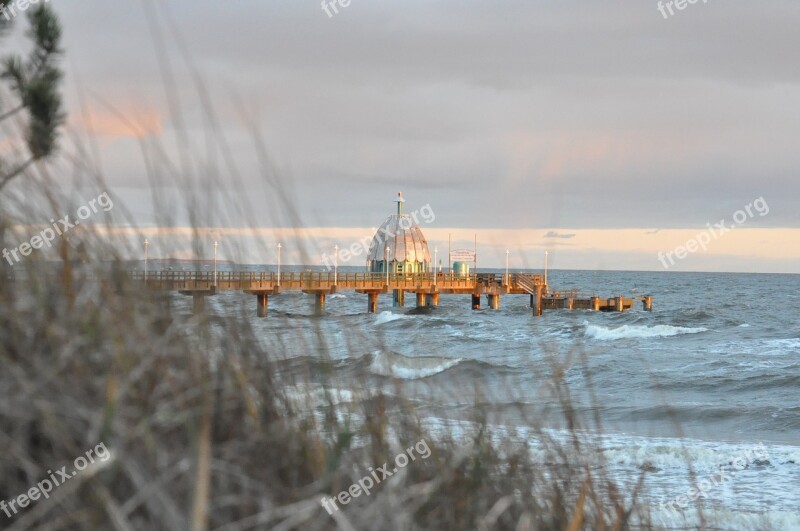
[323, 280]
[427, 286]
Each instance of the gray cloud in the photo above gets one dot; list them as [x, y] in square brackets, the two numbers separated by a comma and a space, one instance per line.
[523, 113]
[554, 234]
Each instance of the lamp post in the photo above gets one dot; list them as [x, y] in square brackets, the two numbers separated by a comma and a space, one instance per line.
[146, 244]
[216, 244]
[335, 264]
[386, 264]
[545, 268]
[475, 258]
[507, 282]
[435, 259]
[279, 263]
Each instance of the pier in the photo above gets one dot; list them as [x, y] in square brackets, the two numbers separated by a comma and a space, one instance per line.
[398, 261]
[427, 288]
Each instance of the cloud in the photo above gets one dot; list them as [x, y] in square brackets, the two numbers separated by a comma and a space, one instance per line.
[452, 99]
[137, 122]
[554, 234]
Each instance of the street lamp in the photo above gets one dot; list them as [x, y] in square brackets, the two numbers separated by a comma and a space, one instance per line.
[279, 264]
[146, 244]
[545, 268]
[435, 259]
[216, 244]
[507, 282]
[386, 263]
[335, 264]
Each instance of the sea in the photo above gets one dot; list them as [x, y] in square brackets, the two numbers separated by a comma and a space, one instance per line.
[706, 386]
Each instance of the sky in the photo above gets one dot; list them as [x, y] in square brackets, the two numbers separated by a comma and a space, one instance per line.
[608, 134]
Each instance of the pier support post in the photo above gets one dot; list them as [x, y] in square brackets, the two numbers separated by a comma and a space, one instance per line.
[647, 303]
[494, 302]
[619, 304]
[570, 303]
[476, 302]
[198, 304]
[372, 302]
[164, 302]
[435, 299]
[420, 300]
[399, 299]
[596, 304]
[319, 303]
[537, 302]
[263, 303]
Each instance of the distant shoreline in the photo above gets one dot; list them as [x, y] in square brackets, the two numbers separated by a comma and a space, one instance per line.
[182, 261]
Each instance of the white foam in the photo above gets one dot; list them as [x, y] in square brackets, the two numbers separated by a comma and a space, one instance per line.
[725, 519]
[632, 331]
[760, 493]
[453, 332]
[409, 368]
[314, 395]
[783, 346]
[388, 317]
[758, 347]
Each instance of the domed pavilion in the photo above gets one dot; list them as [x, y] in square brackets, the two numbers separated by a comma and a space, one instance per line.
[399, 245]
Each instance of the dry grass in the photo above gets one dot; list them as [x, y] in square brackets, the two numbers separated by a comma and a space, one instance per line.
[204, 424]
[205, 436]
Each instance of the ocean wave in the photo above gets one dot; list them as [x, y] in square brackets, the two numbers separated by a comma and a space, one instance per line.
[409, 368]
[783, 346]
[694, 315]
[672, 454]
[634, 332]
[304, 395]
[757, 347]
[388, 317]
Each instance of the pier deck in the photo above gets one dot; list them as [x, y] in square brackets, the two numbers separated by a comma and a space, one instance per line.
[427, 287]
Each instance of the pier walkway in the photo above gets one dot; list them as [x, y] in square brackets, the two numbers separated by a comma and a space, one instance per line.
[426, 286]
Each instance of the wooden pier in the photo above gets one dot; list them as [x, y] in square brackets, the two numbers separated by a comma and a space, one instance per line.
[426, 286]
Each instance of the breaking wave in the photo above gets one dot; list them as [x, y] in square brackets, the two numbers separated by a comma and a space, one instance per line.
[631, 332]
[388, 317]
[409, 368]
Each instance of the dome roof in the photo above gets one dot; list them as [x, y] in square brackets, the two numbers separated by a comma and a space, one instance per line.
[404, 238]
